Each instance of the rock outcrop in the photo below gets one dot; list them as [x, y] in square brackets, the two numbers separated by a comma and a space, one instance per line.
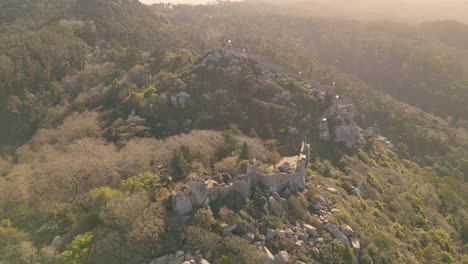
[269, 258]
[282, 257]
[180, 257]
[347, 134]
[333, 229]
[347, 230]
[180, 100]
[221, 55]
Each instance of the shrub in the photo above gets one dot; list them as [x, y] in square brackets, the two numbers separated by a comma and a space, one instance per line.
[245, 152]
[179, 165]
[145, 181]
[201, 239]
[416, 203]
[374, 182]
[297, 208]
[227, 164]
[204, 218]
[77, 251]
[100, 197]
[241, 249]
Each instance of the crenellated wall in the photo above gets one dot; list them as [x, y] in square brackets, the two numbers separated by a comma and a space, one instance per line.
[199, 195]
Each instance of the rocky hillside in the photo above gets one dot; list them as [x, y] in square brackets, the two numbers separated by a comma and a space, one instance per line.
[145, 135]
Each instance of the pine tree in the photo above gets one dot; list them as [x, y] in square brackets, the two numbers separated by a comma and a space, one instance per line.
[179, 165]
[245, 152]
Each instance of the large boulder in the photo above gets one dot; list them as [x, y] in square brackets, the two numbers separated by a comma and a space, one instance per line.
[283, 98]
[180, 254]
[312, 231]
[56, 242]
[346, 134]
[324, 132]
[333, 229]
[356, 192]
[270, 234]
[285, 167]
[347, 111]
[355, 243]
[300, 243]
[282, 257]
[228, 230]
[180, 100]
[347, 230]
[249, 237]
[161, 260]
[269, 258]
[369, 134]
[275, 207]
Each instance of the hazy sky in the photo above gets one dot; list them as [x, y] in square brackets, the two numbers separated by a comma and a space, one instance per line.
[204, 1]
[176, 1]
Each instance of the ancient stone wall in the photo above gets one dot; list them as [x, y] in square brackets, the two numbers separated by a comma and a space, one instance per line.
[181, 203]
[218, 192]
[198, 193]
[243, 188]
[280, 181]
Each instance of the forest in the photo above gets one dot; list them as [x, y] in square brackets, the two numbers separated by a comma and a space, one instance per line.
[110, 107]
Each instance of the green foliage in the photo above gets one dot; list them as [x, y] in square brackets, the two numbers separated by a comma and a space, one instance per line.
[364, 157]
[198, 238]
[179, 165]
[100, 196]
[227, 259]
[145, 181]
[374, 182]
[245, 152]
[11, 242]
[78, 250]
[242, 251]
[297, 207]
[204, 218]
[416, 203]
[346, 253]
[230, 137]
[125, 129]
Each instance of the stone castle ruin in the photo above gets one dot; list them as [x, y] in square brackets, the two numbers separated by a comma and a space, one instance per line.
[291, 174]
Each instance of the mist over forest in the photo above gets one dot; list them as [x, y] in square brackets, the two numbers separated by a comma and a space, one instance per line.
[412, 11]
